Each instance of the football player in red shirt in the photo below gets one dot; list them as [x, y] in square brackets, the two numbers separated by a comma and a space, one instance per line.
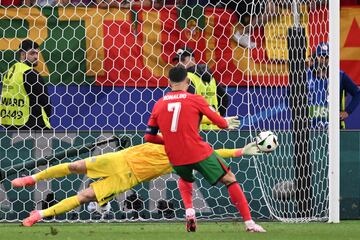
[177, 115]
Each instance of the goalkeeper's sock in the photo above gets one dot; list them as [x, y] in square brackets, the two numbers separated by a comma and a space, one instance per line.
[57, 171]
[238, 198]
[185, 189]
[64, 206]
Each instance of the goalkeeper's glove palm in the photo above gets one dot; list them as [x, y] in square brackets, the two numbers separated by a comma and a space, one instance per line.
[251, 149]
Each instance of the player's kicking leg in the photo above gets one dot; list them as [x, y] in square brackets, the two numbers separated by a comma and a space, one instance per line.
[238, 198]
[213, 169]
[186, 194]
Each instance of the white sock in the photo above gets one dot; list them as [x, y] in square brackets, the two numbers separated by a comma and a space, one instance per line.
[249, 222]
[41, 213]
[190, 212]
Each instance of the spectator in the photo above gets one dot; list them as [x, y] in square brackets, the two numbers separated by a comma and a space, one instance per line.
[202, 83]
[252, 14]
[318, 75]
[258, 11]
[25, 102]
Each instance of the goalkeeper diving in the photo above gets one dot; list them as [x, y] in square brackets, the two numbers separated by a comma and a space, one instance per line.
[119, 171]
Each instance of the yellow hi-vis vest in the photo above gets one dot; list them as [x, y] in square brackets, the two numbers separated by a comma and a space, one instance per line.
[342, 108]
[14, 102]
[208, 91]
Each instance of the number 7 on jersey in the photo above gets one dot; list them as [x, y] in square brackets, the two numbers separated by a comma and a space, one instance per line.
[174, 107]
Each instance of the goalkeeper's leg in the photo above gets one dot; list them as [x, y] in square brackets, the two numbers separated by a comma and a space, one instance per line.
[61, 170]
[64, 206]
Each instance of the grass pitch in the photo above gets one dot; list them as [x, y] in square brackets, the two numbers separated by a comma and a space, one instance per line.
[346, 230]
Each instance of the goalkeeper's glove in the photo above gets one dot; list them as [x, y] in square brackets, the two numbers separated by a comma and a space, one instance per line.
[233, 122]
[250, 149]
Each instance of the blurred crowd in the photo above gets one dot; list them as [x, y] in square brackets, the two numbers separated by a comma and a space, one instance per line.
[242, 5]
[91, 3]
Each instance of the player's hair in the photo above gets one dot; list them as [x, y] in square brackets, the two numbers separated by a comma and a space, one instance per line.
[177, 74]
[27, 45]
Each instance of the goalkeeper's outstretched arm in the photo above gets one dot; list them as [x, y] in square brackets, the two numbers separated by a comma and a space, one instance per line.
[250, 149]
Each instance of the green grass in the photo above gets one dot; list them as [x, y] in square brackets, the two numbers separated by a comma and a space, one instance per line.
[209, 231]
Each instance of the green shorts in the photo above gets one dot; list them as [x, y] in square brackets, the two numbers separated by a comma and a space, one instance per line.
[212, 168]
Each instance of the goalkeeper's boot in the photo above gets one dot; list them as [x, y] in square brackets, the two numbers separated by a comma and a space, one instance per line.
[251, 226]
[32, 219]
[23, 181]
[190, 220]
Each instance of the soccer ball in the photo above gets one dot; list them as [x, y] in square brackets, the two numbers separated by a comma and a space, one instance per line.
[267, 141]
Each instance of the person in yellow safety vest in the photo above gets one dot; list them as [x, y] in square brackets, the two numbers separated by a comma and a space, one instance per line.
[202, 83]
[24, 102]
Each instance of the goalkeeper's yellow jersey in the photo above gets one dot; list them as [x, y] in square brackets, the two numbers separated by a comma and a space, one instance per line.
[148, 160]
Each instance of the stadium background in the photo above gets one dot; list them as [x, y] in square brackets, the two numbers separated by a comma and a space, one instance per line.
[63, 29]
[122, 56]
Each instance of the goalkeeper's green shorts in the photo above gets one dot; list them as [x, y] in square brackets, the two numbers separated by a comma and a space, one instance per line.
[212, 168]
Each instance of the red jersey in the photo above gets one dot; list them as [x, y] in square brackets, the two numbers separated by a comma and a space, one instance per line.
[178, 115]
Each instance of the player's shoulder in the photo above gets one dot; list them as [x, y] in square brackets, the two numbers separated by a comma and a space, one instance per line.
[196, 97]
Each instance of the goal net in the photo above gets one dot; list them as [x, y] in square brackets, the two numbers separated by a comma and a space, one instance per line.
[105, 67]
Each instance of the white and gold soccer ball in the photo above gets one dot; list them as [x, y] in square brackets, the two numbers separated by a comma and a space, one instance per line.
[267, 141]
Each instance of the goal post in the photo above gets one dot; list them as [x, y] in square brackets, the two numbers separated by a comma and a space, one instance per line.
[334, 109]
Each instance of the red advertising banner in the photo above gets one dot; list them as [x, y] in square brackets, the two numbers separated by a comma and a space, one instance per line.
[350, 42]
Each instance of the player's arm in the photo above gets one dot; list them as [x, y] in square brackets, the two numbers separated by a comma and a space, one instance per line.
[248, 150]
[206, 120]
[214, 117]
[153, 138]
[210, 112]
[152, 130]
[234, 121]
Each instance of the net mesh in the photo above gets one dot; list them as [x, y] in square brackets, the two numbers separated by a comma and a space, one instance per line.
[104, 69]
